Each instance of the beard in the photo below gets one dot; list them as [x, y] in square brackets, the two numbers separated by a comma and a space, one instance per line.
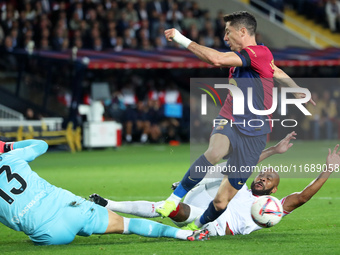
[260, 192]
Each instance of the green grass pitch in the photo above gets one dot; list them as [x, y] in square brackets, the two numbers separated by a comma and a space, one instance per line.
[147, 172]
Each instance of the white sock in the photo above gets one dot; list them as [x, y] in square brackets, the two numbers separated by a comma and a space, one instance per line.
[138, 208]
[126, 226]
[198, 223]
[183, 234]
[174, 198]
[194, 213]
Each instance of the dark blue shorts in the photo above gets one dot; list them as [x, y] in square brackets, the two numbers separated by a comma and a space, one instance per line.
[245, 154]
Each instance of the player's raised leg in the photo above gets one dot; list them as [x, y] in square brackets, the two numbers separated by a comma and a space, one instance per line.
[219, 146]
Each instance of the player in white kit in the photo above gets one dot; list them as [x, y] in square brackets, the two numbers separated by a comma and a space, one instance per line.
[236, 219]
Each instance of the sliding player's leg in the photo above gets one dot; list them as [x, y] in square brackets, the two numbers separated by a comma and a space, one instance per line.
[144, 209]
[184, 213]
[181, 216]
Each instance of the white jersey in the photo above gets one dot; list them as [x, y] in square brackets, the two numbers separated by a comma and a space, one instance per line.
[237, 217]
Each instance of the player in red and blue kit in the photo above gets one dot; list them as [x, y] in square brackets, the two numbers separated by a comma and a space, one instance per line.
[256, 72]
[252, 66]
[248, 140]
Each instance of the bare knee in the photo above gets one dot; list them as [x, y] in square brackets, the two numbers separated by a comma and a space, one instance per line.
[116, 224]
[225, 193]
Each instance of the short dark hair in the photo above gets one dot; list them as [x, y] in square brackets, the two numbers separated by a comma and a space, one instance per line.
[242, 18]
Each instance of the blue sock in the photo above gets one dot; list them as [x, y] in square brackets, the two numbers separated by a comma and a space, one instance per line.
[151, 228]
[210, 214]
[192, 177]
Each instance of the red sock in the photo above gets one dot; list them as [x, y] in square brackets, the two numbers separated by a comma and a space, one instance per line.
[174, 212]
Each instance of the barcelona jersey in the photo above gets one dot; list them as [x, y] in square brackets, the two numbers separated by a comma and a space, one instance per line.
[256, 72]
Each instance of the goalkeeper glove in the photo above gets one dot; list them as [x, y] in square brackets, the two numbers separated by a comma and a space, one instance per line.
[5, 147]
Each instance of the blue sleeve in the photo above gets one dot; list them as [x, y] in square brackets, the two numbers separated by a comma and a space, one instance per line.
[28, 150]
[243, 54]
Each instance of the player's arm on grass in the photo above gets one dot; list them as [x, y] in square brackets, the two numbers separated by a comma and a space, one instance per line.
[208, 55]
[286, 81]
[279, 148]
[297, 199]
[27, 150]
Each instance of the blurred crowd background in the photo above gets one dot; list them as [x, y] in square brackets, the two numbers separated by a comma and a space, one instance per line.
[103, 25]
[119, 24]
[324, 12]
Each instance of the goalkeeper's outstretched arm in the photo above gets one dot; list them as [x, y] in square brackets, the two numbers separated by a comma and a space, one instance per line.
[27, 150]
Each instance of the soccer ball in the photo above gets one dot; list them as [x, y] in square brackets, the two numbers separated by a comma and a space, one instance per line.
[266, 211]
